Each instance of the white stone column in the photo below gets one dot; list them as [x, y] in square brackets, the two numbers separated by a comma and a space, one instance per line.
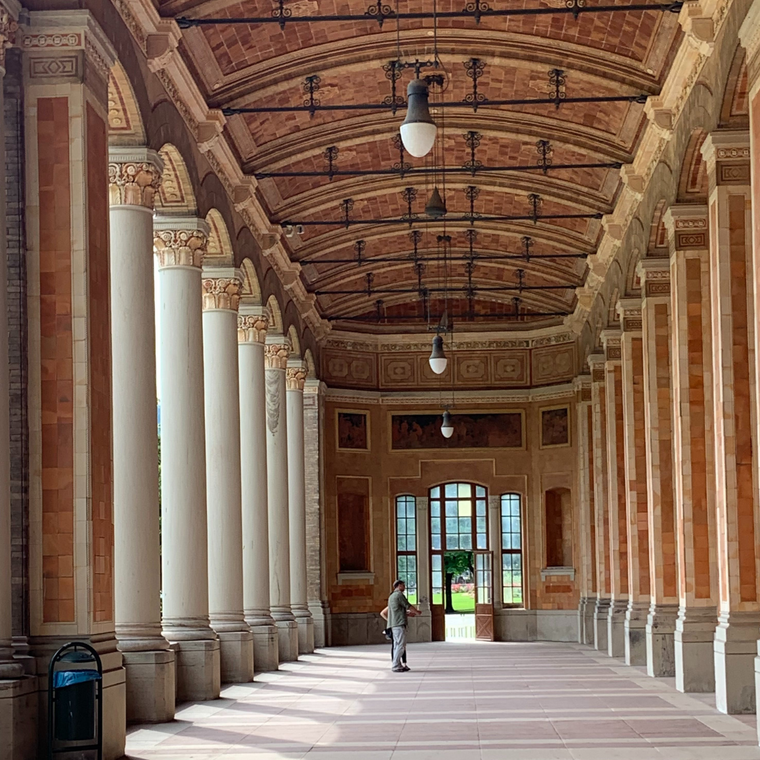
[252, 332]
[134, 175]
[180, 244]
[295, 378]
[8, 668]
[277, 350]
[221, 295]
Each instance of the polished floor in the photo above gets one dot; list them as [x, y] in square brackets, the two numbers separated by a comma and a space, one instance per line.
[461, 701]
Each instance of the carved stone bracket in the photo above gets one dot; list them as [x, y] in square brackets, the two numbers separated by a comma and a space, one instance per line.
[629, 310]
[8, 29]
[134, 176]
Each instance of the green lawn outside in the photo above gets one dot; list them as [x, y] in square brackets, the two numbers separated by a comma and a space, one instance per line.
[462, 601]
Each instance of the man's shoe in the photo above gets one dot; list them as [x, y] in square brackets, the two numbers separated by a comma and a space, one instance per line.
[406, 669]
[397, 670]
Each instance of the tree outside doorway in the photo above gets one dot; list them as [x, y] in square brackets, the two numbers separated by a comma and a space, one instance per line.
[460, 589]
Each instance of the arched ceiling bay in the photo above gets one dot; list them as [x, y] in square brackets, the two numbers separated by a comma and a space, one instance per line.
[529, 173]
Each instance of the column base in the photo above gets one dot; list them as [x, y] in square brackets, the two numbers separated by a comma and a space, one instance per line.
[616, 628]
[582, 603]
[287, 640]
[198, 670]
[151, 683]
[601, 613]
[265, 647]
[18, 718]
[735, 648]
[305, 631]
[636, 633]
[236, 656]
[589, 622]
[694, 640]
[661, 626]
[320, 614]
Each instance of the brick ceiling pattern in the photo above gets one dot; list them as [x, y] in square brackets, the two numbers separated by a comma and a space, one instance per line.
[261, 65]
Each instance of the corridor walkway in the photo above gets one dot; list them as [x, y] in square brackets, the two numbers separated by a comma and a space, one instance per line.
[501, 701]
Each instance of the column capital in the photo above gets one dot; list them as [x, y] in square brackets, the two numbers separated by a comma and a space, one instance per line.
[134, 176]
[253, 323]
[314, 386]
[180, 241]
[687, 226]
[611, 342]
[295, 375]
[655, 276]
[221, 288]
[53, 41]
[276, 352]
[595, 363]
[629, 311]
[726, 153]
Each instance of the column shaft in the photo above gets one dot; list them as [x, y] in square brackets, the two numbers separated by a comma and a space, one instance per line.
[134, 175]
[252, 329]
[733, 331]
[221, 293]
[296, 376]
[632, 353]
[180, 244]
[693, 447]
[277, 352]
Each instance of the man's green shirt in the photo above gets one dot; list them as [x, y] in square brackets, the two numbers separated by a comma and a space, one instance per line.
[398, 604]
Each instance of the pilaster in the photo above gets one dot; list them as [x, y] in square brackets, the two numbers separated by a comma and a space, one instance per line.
[727, 157]
[598, 484]
[66, 63]
[616, 493]
[584, 437]
[632, 354]
[693, 447]
[654, 274]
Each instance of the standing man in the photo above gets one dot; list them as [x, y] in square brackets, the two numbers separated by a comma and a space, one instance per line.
[398, 609]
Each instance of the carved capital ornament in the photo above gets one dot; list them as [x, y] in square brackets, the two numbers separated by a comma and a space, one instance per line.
[221, 293]
[133, 183]
[180, 248]
[295, 377]
[276, 355]
[252, 328]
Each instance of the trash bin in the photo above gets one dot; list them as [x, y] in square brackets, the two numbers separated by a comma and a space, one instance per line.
[74, 718]
[75, 702]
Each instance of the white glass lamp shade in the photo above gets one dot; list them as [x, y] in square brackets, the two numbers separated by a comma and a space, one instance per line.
[418, 130]
[438, 360]
[447, 429]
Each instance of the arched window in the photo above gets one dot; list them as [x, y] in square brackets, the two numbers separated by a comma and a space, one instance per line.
[406, 544]
[511, 549]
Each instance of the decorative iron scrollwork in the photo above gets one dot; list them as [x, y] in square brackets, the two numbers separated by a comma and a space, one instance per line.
[310, 87]
[474, 68]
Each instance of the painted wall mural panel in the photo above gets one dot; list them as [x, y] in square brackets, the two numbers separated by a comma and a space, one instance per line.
[352, 431]
[503, 430]
[555, 427]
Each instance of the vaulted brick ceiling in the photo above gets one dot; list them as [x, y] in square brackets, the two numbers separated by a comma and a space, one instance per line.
[624, 53]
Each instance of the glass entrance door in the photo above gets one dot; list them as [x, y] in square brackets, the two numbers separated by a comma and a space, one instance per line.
[458, 526]
[484, 596]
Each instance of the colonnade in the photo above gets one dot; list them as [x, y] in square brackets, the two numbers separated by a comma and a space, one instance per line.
[671, 459]
[232, 549]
